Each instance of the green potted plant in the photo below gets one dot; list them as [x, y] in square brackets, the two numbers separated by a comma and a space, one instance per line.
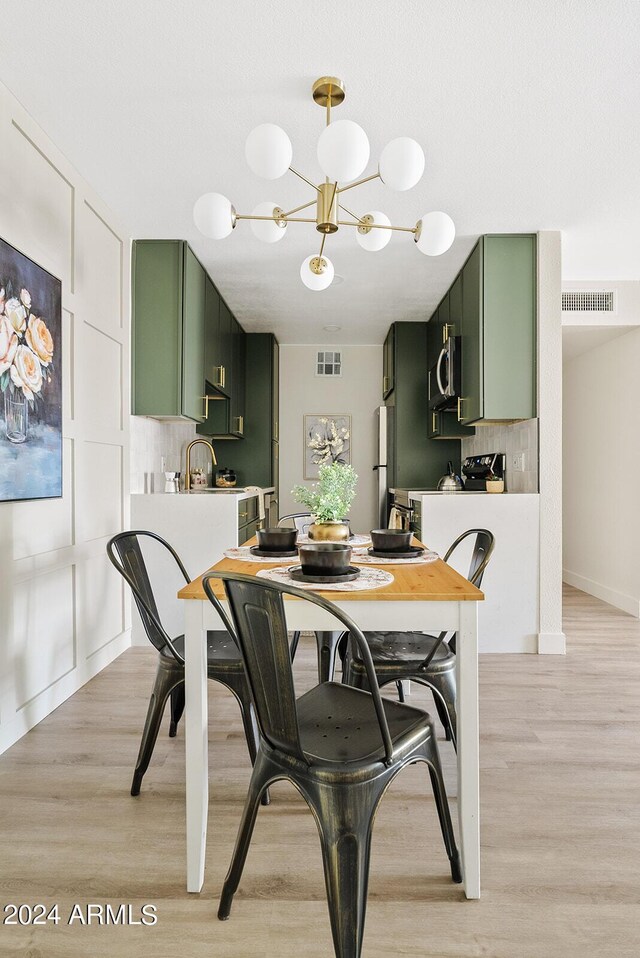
[329, 500]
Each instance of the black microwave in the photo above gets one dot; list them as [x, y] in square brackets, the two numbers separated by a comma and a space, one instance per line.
[445, 375]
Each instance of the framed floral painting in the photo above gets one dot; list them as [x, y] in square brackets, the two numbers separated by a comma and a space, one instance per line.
[327, 439]
[30, 379]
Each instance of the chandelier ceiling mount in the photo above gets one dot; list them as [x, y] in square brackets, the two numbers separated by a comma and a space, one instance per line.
[343, 154]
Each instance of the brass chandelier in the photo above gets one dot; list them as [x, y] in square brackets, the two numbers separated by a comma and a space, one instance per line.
[343, 154]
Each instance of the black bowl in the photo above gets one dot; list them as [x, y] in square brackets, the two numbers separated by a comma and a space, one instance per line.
[277, 540]
[390, 540]
[325, 558]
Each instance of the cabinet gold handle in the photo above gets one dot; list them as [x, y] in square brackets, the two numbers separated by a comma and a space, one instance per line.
[240, 424]
[459, 408]
[224, 376]
[385, 383]
[433, 422]
[218, 376]
[275, 431]
[445, 332]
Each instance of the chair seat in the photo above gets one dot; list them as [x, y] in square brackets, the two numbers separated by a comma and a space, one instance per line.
[405, 651]
[222, 652]
[338, 724]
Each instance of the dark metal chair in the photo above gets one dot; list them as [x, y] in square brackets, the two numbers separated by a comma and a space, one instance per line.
[224, 663]
[415, 656]
[339, 746]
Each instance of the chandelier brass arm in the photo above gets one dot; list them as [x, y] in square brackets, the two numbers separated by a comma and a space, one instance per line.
[298, 209]
[364, 224]
[303, 177]
[275, 218]
[350, 212]
[350, 186]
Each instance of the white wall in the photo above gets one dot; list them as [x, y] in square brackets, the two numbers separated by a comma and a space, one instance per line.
[63, 615]
[356, 393]
[152, 441]
[551, 638]
[601, 515]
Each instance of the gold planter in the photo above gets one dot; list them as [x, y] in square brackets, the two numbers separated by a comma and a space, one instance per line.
[334, 531]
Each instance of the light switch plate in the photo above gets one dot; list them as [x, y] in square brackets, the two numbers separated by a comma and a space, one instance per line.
[518, 462]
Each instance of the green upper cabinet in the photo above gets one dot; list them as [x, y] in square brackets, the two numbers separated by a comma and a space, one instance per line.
[226, 404]
[225, 346]
[454, 323]
[471, 405]
[499, 330]
[168, 330]
[212, 365]
[238, 355]
[388, 363]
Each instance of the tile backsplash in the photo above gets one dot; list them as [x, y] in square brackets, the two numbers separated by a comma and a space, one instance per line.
[152, 441]
[514, 439]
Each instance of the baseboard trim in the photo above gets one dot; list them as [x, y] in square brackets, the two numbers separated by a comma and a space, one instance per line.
[552, 643]
[626, 603]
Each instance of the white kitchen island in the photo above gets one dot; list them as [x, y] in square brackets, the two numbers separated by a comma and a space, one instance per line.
[508, 619]
[199, 526]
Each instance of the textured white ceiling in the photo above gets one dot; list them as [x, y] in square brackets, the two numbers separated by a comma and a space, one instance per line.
[527, 112]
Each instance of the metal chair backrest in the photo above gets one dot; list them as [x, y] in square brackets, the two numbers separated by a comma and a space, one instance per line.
[301, 521]
[257, 611]
[132, 567]
[481, 553]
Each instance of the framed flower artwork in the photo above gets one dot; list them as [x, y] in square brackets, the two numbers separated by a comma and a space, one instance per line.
[30, 379]
[327, 439]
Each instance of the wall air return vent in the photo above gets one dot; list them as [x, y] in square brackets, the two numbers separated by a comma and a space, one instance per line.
[589, 301]
[329, 363]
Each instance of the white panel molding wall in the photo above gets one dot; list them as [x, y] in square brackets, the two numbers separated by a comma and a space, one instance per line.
[63, 613]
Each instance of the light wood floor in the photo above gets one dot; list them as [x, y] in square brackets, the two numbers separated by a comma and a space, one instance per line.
[560, 823]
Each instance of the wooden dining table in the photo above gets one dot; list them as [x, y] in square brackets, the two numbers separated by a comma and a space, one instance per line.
[427, 597]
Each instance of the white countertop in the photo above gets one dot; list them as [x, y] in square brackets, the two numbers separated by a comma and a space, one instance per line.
[233, 494]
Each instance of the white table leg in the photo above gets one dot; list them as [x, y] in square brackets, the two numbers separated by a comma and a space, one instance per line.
[468, 747]
[196, 741]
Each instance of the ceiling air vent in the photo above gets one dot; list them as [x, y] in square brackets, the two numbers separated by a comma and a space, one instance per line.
[329, 363]
[589, 301]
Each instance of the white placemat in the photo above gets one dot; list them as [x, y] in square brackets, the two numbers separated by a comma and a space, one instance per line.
[362, 557]
[355, 540]
[244, 554]
[368, 579]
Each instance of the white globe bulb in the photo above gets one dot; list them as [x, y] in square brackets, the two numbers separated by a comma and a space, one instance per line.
[213, 214]
[375, 239]
[401, 163]
[268, 151]
[343, 150]
[437, 233]
[267, 230]
[316, 281]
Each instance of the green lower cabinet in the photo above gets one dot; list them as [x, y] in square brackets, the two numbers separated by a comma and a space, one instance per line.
[255, 459]
[444, 424]
[248, 519]
[413, 461]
